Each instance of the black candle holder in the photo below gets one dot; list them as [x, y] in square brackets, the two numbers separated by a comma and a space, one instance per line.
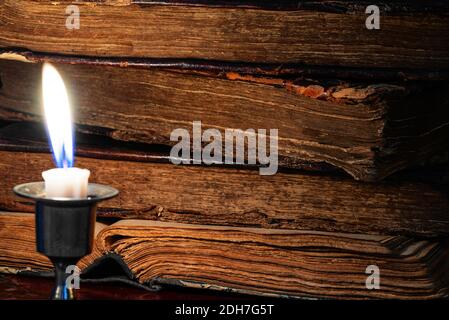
[64, 228]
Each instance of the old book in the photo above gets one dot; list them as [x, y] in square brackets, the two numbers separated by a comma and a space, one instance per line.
[153, 188]
[270, 262]
[411, 34]
[368, 128]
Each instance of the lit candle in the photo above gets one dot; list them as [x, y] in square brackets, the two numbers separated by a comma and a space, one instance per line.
[64, 181]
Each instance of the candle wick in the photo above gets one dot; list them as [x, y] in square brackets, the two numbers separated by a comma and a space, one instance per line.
[64, 164]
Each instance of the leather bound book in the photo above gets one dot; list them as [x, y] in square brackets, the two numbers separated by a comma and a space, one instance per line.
[370, 128]
[288, 263]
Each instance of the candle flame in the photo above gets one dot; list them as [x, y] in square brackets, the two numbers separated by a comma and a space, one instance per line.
[58, 116]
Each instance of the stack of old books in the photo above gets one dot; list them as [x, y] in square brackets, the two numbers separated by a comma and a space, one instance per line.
[358, 207]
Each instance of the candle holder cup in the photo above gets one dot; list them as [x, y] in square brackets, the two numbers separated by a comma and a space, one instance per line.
[64, 228]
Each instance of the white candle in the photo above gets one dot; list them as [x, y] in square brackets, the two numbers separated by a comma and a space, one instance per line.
[66, 183]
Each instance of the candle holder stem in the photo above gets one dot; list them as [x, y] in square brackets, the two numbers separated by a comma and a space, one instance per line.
[63, 289]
